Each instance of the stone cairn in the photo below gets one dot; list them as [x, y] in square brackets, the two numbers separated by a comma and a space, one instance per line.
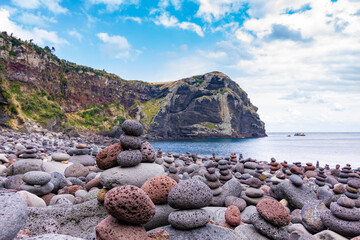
[336, 172]
[320, 178]
[253, 194]
[233, 159]
[270, 219]
[212, 179]
[37, 182]
[352, 189]
[173, 173]
[309, 170]
[168, 162]
[30, 152]
[225, 172]
[343, 217]
[274, 166]
[81, 155]
[344, 174]
[189, 197]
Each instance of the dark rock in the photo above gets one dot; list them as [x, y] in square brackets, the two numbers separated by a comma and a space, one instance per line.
[129, 158]
[132, 127]
[148, 153]
[349, 214]
[296, 180]
[267, 229]
[239, 202]
[38, 190]
[189, 219]
[343, 227]
[296, 196]
[310, 214]
[130, 142]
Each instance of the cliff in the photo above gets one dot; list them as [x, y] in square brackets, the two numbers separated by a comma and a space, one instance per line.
[36, 86]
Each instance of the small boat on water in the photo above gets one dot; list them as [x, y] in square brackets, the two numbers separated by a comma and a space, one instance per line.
[299, 134]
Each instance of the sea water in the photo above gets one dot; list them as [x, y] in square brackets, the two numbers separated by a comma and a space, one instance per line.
[327, 148]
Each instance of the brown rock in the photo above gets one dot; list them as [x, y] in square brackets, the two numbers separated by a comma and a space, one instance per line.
[158, 188]
[106, 158]
[159, 234]
[232, 216]
[112, 229]
[148, 153]
[81, 146]
[93, 183]
[310, 174]
[76, 170]
[273, 212]
[296, 170]
[129, 204]
[47, 198]
[74, 188]
[226, 225]
[339, 188]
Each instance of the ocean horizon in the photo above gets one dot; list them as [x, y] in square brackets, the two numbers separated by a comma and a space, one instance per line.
[326, 147]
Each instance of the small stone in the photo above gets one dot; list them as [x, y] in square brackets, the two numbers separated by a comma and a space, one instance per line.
[158, 188]
[296, 180]
[112, 229]
[339, 189]
[232, 216]
[132, 127]
[76, 170]
[148, 153]
[189, 219]
[38, 190]
[101, 195]
[59, 157]
[346, 202]
[254, 192]
[129, 204]
[273, 212]
[31, 199]
[239, 202]
[106, 158]
[190, 194]
[36, 178]
[129, 158]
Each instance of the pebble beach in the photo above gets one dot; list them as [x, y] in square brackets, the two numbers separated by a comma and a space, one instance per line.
[57, 187]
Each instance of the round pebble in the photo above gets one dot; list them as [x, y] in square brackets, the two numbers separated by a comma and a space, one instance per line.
[36, 178]
[129, 158]
[273, 212]
[158, 188]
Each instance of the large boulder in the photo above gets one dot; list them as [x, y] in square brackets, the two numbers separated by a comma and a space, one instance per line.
[13, 215]
[136, 176]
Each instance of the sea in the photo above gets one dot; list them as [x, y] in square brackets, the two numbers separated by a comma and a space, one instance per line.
[328, 148]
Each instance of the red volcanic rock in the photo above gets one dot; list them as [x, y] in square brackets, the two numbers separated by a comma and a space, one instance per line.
[310, 174]
[106, 158]
[74, 188]
[273, 212]
[47, 198]
[147, 152]
[129, 204]
[232, 216]
[339, 188]
[93, 183]
[158, 188]
[112, 229]
[296, 170]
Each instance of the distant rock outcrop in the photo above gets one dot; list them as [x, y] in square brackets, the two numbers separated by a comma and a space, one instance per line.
[37, 87]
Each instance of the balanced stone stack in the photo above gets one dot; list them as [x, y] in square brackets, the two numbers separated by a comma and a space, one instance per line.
[29, 153]
[270, 219]
[343, 217]
[225, 172]
[60, 157]
[274, 166]
[129, 207]
[37, 182]
[352, 189]
[212, 181]
[250, 166]
[320, 178]
[309, 170]
[168, 162]
[81, 155]
[336, 171]
[130, 166]
[173, 173]
[343, 176]
[233, 159]
[253, 194]
[189, 197]
[159, 153]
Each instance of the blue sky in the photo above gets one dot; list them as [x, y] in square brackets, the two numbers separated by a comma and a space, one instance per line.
[298, 60]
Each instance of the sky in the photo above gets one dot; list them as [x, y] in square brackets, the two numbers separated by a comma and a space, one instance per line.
[298, 60]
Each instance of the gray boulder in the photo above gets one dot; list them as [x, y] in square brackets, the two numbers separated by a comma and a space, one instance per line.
[296, 196]
[13, 215]
[24, 166]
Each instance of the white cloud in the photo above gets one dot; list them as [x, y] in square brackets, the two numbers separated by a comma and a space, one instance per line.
[113, 5]
[166, 3]
[37, 20]
[52, 5]
[40, 36]
[129, 18]
[211, 10]
[117, 47]
[170, 21]
[76, 34]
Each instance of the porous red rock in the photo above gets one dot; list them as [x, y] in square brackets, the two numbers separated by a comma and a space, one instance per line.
[232, 216]
[158, 188]
[147, 151]
[74, 188]
[273, 212]
[106, 158]
[111, 229]
[296, 170]
[130, 204]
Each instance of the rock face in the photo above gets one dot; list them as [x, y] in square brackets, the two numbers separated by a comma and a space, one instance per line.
[203, 106]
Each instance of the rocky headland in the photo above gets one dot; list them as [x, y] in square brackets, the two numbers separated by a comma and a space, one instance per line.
[60, 187]
[40, 91]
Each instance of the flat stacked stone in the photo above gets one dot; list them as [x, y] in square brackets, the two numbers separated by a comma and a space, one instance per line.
[81, 154]
[344, 174]
[129, 207]
[270, 219]
[233, 159]
[321, 177]
[37, 182]
[259, 173]
[159, 153]
[352, 188]
[343, 217]
[225, 172]
[60, 157]
[173, 173]
[336, 171]
[250, 166]
[278, 178]
[168, 162]
[212, 181]
[253, 194]
[30, 152]
[189, 197]
[274, 166]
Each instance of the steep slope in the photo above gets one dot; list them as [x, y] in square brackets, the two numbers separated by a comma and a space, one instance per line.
[36, 86]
